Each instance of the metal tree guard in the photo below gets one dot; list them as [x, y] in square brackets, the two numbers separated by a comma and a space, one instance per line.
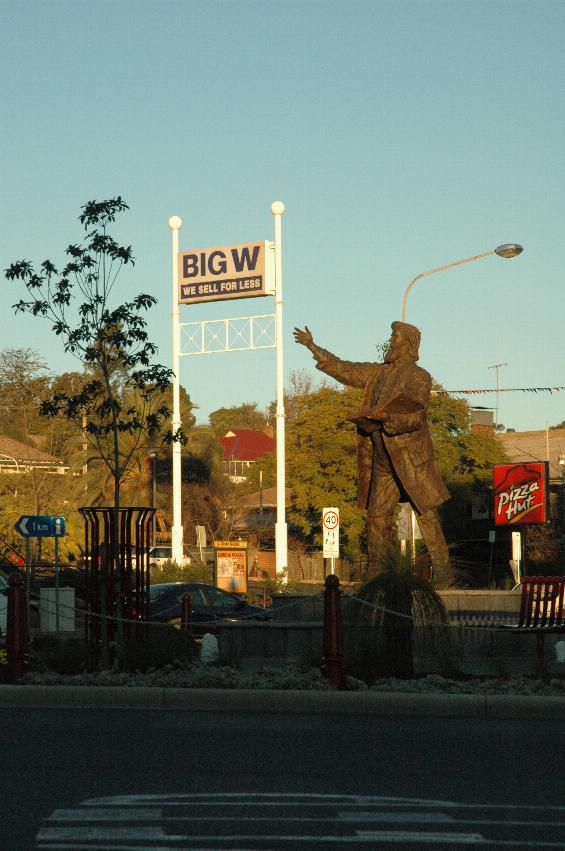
[115, 586]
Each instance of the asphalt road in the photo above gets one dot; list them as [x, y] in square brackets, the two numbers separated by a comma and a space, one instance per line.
[139, 778]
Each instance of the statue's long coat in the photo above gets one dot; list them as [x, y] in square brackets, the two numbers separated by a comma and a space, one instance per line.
[406, 387]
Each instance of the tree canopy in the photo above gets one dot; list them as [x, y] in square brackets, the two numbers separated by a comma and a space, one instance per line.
[247, 415]
[322, 457]
[123, 392]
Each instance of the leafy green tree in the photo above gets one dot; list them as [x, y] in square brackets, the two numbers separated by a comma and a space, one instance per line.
[122, 397]
[112, 342]
[23, 384]
[246, 416]
[322, 464]
[322, 460]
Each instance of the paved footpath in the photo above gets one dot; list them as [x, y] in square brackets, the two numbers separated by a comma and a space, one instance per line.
[368, 703]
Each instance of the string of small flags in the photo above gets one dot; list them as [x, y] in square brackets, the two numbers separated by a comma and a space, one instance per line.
[500, 390]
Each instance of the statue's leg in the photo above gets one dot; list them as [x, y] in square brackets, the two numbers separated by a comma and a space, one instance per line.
[383, 499]
[434, 540]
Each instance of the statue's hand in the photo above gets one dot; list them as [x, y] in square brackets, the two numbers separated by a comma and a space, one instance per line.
[305, 337]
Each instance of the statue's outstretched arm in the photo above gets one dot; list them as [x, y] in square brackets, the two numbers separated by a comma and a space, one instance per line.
[305, 338]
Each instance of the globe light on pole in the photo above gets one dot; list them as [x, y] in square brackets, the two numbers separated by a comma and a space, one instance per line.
[508, 250]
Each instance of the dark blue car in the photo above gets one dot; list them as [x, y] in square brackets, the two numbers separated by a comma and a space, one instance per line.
[210, 606]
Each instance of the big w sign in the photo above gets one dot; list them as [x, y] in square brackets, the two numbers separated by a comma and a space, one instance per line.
[233, 271]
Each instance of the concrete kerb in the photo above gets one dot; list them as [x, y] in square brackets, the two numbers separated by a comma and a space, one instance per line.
[369, 703]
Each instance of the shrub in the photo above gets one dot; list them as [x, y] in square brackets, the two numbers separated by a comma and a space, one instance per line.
[389, 606]
[154, 645]
[170, 571]
[62, 655]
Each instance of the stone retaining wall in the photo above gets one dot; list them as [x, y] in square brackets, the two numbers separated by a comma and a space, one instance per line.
[478, 647]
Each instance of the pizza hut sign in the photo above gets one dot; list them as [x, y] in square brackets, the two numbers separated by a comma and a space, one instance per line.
[520, 493]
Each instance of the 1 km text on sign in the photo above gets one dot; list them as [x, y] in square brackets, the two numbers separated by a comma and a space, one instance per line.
[233, 271]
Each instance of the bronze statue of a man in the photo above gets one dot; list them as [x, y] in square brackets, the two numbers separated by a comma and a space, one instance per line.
[395, 452]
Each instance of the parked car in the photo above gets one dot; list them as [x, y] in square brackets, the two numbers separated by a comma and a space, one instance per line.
[209, 605]
[160, 555]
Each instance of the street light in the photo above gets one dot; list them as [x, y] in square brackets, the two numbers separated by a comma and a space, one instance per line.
[507, 250]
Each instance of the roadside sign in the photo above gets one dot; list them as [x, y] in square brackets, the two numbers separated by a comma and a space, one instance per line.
[40, 526]
[201, 536]
[231, 271]
[407, 523]
[330, 532]
[231, 566]
[521, 493]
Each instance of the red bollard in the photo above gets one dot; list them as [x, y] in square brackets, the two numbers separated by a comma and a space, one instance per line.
[333, 662]
[16, 628]
[186, 613]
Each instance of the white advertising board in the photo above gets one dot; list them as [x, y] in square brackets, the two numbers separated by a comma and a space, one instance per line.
[330, 532]
[230, 271]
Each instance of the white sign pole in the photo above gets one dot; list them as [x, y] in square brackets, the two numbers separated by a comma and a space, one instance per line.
[175, 224]
[281, 539]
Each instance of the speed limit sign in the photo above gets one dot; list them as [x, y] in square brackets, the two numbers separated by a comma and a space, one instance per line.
[330, 532]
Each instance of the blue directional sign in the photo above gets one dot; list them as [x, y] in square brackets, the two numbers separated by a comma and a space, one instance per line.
[40, 526]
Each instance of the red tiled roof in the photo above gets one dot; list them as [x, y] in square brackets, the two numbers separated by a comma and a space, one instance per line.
[242, 444]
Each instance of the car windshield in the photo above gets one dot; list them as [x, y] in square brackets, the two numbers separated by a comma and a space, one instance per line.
[156, 591]
[223, 599]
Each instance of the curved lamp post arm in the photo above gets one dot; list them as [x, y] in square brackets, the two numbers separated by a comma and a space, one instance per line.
[508, 250]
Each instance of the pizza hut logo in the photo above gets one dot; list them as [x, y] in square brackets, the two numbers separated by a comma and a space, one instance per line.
[520, 493]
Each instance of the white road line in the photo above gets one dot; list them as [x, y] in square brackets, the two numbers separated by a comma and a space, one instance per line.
[421, 837]
[274, 800]
[133, 822]
[98, 832]
[390, 837]
[106, 814]
[94, 814]
[399, 818]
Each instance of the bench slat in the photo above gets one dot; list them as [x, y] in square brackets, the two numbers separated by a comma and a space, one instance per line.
[541, 604]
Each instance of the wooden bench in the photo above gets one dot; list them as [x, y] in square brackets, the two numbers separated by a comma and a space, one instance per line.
[542, 608]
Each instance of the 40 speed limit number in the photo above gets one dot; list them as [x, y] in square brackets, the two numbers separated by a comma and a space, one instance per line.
[330, 532]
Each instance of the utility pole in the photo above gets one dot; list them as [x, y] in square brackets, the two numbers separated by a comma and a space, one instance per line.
[497, 367]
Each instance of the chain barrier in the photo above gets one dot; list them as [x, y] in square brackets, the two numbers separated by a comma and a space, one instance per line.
[442, 625]
[82, 614]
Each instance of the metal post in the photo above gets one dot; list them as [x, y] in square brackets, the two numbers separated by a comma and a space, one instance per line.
[497, 366]
[175, 223]
[28, 578]
[281, 539]
[186, 612]
[57, 598]
[334, 663]
[16, 628]
[154, 495]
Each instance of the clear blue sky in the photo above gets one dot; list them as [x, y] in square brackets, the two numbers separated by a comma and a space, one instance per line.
[400, 135]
